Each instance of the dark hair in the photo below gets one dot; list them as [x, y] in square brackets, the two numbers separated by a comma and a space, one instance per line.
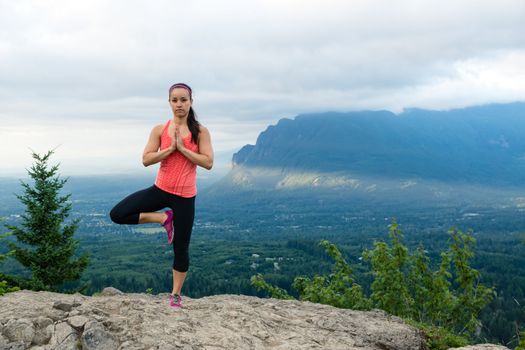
[183, 86]
[193, 124]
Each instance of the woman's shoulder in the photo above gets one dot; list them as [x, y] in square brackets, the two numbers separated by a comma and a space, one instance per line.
[204, 134]
[157, 129]
[203, 129]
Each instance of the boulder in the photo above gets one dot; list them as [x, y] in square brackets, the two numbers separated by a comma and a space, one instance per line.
[19, 330]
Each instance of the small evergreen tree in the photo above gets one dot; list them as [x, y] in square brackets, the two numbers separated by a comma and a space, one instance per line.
[405, 286]
[46, 245]
[472, 296]
[390, 264]
[431, 289]
[337, 289]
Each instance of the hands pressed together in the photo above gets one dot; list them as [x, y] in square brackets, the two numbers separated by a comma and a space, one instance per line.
[203, 157]
[176, 140]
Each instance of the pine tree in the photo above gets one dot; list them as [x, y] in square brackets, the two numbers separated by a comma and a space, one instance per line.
[472, 296]
[390, 264]
[45, 244]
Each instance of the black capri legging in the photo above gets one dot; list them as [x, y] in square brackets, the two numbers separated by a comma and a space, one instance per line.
[153, 199]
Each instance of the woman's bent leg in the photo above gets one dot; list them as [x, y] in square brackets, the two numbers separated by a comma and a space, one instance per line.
[140, 207]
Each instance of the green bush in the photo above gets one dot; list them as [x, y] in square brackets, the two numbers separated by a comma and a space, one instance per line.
[444, 304]
[275, 292]
[337, 289]
[5, 288]
[390, 266]
[521, 345]
[438, 338]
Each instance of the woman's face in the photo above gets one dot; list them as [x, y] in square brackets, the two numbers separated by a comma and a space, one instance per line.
[180, 102]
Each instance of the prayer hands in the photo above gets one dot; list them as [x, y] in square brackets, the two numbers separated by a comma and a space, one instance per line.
[173, 135]
[176, 140]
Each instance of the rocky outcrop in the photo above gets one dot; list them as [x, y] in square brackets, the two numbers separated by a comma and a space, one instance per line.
[483, 347]
[115, 320]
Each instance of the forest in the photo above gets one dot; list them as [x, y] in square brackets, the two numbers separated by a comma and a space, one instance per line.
[282, 242]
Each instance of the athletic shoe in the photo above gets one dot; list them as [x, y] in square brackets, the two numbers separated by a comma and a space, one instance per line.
[175, 301]
[168, 225]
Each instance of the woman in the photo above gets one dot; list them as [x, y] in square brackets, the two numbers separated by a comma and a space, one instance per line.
[179, 145]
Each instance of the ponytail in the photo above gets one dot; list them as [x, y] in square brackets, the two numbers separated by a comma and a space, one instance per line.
[193, 125]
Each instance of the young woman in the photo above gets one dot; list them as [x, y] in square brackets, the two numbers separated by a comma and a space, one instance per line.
[179, 145]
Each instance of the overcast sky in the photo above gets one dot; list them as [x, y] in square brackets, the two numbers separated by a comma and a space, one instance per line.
[91, 77]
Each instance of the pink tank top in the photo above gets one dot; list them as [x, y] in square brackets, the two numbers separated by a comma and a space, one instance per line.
[177, 174]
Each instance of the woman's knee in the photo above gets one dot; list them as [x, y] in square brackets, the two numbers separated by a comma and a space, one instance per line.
[116, 216]
[181, 262]
[181, 259]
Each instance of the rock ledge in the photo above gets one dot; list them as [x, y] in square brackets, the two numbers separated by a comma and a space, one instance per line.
[116, 320]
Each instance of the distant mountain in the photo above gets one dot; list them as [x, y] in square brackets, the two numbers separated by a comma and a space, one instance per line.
[375, 151]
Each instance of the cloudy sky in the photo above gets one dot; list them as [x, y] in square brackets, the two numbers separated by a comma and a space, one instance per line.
[90, 78]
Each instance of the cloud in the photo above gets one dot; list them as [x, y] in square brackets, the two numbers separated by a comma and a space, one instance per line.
[249, 62]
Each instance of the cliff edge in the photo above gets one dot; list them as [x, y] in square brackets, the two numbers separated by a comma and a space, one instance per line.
[115, 320]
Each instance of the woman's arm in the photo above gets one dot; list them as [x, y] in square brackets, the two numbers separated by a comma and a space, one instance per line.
[205, 156]
[151, 154]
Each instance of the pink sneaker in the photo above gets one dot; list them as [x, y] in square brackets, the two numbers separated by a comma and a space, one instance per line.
[175, 301]
[168, 225]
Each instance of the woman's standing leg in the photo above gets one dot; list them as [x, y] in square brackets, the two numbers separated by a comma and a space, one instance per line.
[184, 214]
[178, 281]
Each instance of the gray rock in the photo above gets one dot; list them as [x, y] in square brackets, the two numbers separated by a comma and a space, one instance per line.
[70, 343]
[67, 305]
[64, 337]
[55, 314]
[43, 335]
[77, 322]
[142, 321]
[3, 341]
[42, 322]
[43, 330]
[19, 330]
[19, 345]
[482, 347]
[63, 305]
[74, 313]
[129, 345]
[95, 337]
[110, 291]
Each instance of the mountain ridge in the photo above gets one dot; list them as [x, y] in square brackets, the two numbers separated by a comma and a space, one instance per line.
[482, 145]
